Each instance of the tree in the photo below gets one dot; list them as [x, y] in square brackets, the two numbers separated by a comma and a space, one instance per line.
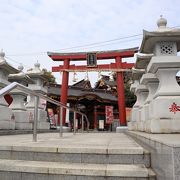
[50, 76]
[130, 98]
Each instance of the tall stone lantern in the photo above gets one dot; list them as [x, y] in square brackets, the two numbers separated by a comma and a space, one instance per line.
[21, 115]
[38, 76]
[151, 83]
[132, 125]
[6, 115]
[164, 43]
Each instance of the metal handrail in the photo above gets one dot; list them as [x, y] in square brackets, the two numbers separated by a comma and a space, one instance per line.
[25, 89]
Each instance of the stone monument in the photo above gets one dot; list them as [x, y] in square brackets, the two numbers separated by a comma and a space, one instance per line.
[21, 115]
[6, 115]
[38, 76]
[132, 125]
[163, 101]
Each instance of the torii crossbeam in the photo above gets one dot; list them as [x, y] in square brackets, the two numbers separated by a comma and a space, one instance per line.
[117, 67]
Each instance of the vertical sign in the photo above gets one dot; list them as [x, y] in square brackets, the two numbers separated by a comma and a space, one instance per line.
[109, 114]
[91, 60]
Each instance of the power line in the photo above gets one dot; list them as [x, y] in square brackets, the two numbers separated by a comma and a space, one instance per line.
[112, 43]
[10, 59]
[91, 45]
[80, 46]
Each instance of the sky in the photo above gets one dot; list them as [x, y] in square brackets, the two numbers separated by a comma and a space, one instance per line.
[30, 28]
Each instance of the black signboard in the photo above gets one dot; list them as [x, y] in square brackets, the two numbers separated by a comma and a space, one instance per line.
[91, 60]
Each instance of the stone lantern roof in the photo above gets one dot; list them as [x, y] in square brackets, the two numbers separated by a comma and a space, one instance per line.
[5, 66]
[163, 33]
[20, 77]
[137, 73]
[142, 60]
[134, 86]
[36, 72]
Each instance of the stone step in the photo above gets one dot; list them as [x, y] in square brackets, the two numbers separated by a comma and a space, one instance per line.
[96, 155]
[43, 170]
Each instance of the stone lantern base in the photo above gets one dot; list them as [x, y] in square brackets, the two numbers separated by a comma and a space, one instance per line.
[165, 115]
[6, 121]
[42, 118]
[132, 126]
[22, 120]
[162, 126]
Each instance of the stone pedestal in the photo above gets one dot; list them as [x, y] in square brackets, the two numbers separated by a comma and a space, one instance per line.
[6, 120]
[166, 103]
[5, 115]
[135, 116]
[151, 83]
[142, 93]
[132, 125]
[42, 118]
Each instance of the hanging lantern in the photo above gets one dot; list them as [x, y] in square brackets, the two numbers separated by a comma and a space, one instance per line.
[111, 78]
[74, 77]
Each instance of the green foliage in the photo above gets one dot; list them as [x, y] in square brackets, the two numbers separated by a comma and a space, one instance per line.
[49, 75]
[130, 98]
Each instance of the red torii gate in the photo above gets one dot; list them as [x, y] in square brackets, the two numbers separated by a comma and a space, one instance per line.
[118, 67]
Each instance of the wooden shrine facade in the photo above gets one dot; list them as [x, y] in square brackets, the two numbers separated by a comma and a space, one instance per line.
[88, 100]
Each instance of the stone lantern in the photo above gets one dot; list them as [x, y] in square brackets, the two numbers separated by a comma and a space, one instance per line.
[22, 117]
[6, 117]
[151, 82]
[39, 78]
[142, 93]
[164, 43]
[132, 125]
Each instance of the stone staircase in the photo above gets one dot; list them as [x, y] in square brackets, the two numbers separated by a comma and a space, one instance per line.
[84, 156]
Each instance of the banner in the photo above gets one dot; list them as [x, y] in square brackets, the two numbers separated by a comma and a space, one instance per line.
[109, 114]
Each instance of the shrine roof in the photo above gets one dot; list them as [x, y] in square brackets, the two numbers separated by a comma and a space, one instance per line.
[75, 56]
[83, 84]
[76, 92]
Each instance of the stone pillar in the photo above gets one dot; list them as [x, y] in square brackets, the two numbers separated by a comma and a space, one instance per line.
[136, 75]
[165, 105]
[135, 108]
[142, 93]
[37, 75]
[23, 119]
[6, 114]
[151, 82]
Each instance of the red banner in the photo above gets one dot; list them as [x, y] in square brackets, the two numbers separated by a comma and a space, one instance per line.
[109, 114]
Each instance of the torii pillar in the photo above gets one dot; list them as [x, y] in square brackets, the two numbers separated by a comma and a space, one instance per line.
[64, 88]
[120, 89]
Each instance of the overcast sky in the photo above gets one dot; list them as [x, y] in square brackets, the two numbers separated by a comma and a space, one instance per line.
[30, 28]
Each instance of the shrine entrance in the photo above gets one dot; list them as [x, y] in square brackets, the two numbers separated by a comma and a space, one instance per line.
[92, 57]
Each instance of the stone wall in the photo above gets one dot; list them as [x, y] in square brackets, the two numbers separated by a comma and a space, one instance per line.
[165, 153]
